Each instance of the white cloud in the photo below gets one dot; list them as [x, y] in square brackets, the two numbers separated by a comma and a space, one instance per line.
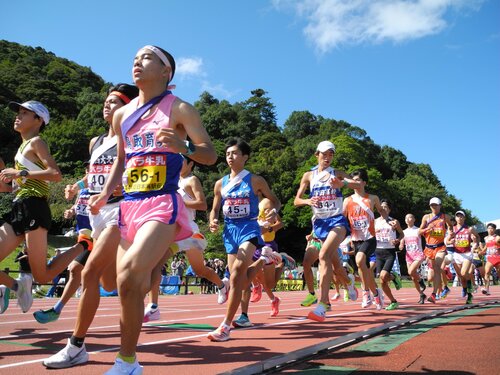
[331, 23]
[189, 66]
[217, 90]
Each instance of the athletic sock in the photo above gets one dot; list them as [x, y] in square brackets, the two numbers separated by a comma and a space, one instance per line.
[245, 315]
[58, 307]
[312, 293]
[77, 341]
[154, 306]
[130, 359]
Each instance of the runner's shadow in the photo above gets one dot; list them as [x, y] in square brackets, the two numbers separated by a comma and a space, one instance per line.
[201, 353]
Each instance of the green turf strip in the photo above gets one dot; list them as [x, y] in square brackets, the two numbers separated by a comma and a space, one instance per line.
[203, 327]
[330, 370]
[391, 340]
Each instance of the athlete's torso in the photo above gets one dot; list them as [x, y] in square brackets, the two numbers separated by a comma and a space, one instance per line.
[151, 167]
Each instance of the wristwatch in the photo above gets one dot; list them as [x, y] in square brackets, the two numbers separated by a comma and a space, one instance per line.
[191, 148]
[24, 173]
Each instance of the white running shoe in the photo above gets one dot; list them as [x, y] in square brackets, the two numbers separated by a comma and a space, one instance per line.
[223, 293]
[69, 356]
[121, 367]
[24, 294]
[151, 314]
[271, 256]
[379, 300]
[353, 292]
[367, 299]
[222, 333]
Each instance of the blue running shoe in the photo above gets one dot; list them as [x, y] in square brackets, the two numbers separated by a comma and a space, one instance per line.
[46, 316]
[445, 292]
[242, 322]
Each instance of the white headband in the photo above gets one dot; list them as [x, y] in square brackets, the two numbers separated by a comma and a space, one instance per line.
[158, 52]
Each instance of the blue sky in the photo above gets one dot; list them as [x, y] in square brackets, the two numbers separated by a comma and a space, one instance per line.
[420, 76]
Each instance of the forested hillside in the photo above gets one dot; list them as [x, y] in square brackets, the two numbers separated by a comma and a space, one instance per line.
[281, 154]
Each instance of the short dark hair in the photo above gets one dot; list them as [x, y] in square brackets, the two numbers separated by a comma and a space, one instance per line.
[130, 91]
[386, 201]
[241, 144]
[361, 173]
[493, 225]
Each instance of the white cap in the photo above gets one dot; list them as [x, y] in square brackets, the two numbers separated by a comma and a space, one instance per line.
[460, 212]
[435, 200]
[33, 106]
[325, 146]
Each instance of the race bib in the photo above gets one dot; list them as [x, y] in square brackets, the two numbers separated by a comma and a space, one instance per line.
[437, 232]
[98, 175]
[145, 173]
[462, 243]
[328, 206]
[360, 223]
[236, 208]
[411, 244]
[383, 236]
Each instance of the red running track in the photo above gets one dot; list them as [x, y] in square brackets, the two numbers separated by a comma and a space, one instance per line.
[178, 343]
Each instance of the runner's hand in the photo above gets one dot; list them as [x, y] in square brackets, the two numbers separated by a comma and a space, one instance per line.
[214, 225]
[170, 138]
[96, 202]
[70, 192]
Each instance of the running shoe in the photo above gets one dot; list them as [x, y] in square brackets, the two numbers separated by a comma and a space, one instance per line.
[445, 292]
[346, 296]
[24, 294]
[222, 294]
[336, 296]
[256, 293]
[469, 299]
[275, 307]
[351, 288]
[485, 292]
[69, 356]
[367, 299]
[397, 280]
[379, 300]
[392, 306]
[422, 299]
[242, 322]
[288, 261]
[270, 256]
[4, 298]
[121, 367]
[151, 314]
[220, 334]
[309, 300]
[432, 298]
[46, 316]
[319, 313]
[85, 238]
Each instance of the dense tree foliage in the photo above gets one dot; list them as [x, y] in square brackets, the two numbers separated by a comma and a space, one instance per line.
[74, 95]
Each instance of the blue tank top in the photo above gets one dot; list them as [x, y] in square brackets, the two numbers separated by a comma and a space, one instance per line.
[81, 210]
[240, 202]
